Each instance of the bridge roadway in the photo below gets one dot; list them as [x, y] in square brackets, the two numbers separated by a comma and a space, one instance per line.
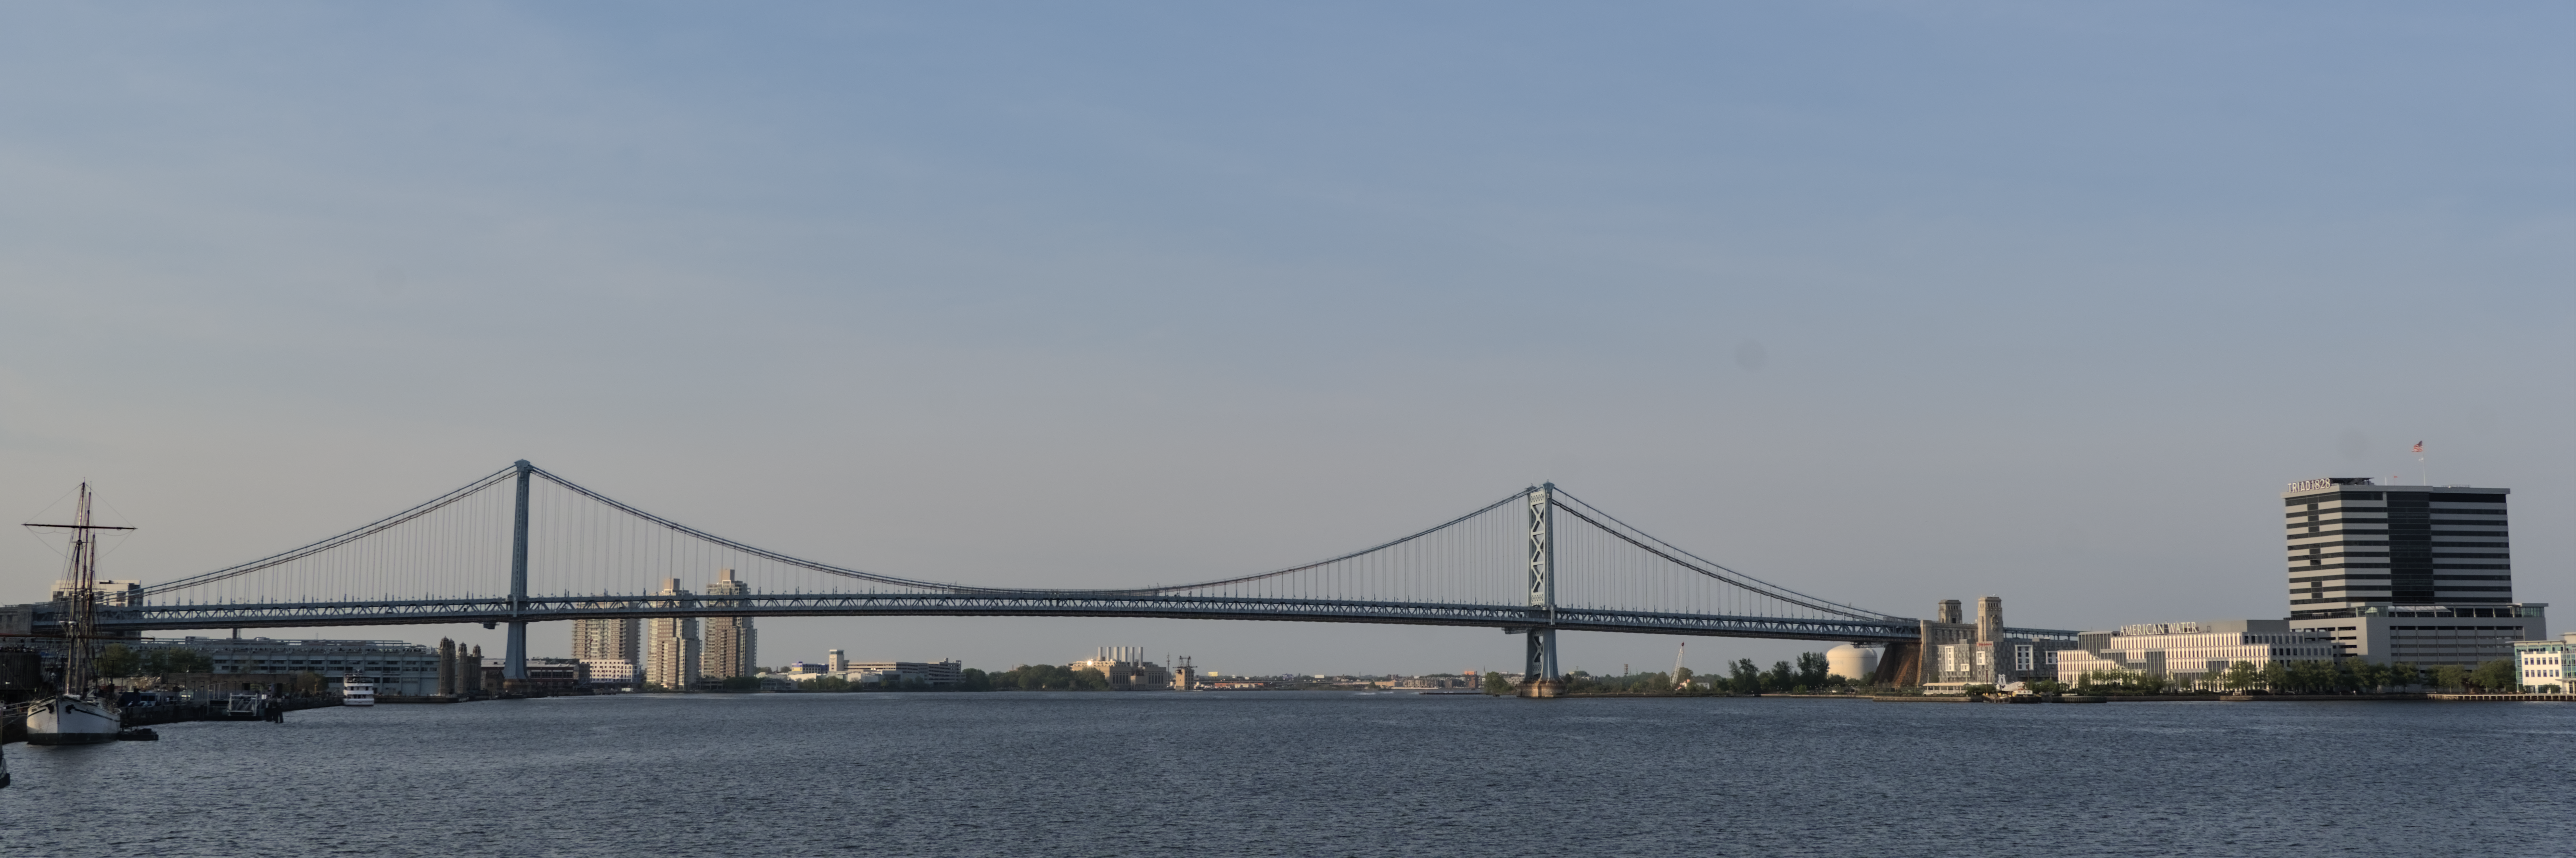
[992, 603]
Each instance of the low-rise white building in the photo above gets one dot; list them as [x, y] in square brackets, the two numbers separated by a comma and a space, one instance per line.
[2545, 663]
[949, 672]
[1126, 669]
[926, 672]
[396, 667]
[613, 673]
[2190, 653]
[2430, 636]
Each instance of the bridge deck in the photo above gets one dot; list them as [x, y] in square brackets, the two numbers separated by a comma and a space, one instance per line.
[995, 604]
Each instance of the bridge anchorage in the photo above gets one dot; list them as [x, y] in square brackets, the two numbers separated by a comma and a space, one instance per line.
[524, 545]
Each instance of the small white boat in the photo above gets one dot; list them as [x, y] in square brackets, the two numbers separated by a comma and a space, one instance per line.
[357, 692]
[66, 720]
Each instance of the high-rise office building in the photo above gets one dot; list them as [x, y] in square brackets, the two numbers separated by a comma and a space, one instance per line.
[672, 646]
[2354, 545]
[2418, 574]
[732, 645]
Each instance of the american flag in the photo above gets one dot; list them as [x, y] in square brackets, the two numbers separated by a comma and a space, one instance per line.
[2419, 446]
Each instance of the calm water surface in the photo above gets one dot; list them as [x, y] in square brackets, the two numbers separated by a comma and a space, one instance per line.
[1290, 773]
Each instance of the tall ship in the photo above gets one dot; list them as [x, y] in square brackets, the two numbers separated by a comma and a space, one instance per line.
[78, 714]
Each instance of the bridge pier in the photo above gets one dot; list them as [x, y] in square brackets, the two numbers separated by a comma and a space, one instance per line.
[1538, 676]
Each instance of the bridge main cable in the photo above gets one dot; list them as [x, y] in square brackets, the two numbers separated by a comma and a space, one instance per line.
[967, 589]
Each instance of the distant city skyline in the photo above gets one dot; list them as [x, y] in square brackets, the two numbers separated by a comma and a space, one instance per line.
[1109, 297]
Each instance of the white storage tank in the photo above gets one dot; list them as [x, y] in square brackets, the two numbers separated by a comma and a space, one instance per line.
[1852, 662]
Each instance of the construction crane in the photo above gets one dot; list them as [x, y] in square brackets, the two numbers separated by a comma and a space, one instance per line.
[1677, 664]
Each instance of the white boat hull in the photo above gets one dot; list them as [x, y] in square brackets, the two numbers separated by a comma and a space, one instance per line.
[71, 721]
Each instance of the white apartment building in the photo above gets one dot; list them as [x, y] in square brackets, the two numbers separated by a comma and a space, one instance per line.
[2545, 664]
[612, 673]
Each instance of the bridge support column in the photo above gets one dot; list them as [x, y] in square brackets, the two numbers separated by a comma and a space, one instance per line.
[514, 656]
[1538, 673]
[1539, 677]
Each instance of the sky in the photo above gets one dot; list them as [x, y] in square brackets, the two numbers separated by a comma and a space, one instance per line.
[1887, 302]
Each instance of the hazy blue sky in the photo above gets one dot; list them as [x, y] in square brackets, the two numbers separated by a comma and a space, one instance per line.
[1891, 302]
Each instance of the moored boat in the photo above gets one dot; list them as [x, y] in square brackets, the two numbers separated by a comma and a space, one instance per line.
[64, 719]
[76, 716]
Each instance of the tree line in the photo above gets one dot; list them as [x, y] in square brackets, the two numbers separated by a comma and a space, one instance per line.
[121, 660]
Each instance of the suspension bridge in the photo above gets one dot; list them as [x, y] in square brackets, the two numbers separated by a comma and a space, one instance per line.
[524, 545]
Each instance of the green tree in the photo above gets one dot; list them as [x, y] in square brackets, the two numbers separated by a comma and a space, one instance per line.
[2240, 676]
[2500, 676]
[2404, 674]
[1812, 669]
[2311, 677]
[2046, 686]
[1496, 684]
[2276, 676]
[1781, 677]
[2448, 677]
[1743, 677]
[974, 679]
[116, 660]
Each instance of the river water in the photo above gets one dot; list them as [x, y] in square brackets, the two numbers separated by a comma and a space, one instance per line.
[1314, 773]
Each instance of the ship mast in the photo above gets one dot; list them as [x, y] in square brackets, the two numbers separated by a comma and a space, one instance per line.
[83, 569]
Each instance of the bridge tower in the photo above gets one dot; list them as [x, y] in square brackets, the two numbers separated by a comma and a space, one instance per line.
[1538, 673]
[514, 657]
